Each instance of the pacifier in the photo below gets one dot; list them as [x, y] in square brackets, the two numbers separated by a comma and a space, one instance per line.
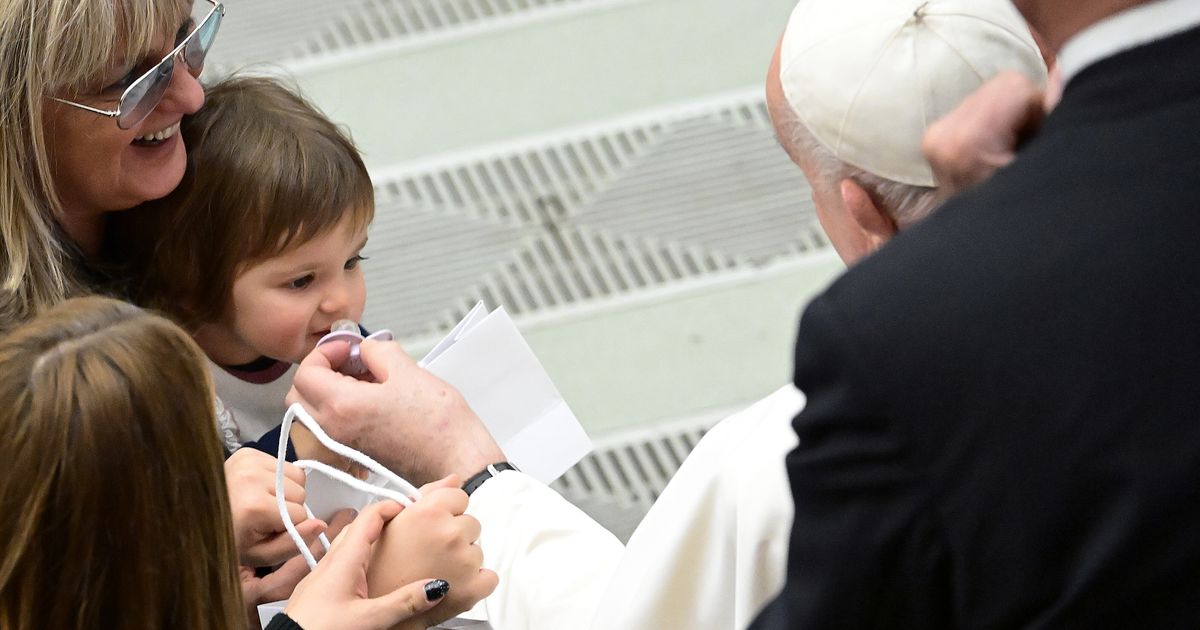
[349, 331]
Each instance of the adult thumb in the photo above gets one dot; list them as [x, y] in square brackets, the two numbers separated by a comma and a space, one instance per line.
[381, 358]
[409, 602]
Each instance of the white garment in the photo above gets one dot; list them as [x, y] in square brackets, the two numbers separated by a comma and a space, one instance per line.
[253, 408]
[552, 559]
[227, 429]
[710, 553]
[1126, 30]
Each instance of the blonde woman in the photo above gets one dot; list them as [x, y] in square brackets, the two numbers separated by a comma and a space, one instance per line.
[118, 516]
[91, 96]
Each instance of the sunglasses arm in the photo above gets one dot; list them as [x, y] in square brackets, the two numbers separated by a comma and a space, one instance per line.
[102, 112]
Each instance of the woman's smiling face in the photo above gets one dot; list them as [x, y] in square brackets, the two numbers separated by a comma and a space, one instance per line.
[98, 167]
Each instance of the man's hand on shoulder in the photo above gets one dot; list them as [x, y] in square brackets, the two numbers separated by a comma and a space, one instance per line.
[981, 135]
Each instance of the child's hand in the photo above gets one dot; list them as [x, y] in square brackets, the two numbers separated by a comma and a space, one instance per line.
[336, 595]
[257, 527]
[434, 537]
[280, 583]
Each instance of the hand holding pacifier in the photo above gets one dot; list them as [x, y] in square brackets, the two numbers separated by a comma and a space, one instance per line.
[349, 331]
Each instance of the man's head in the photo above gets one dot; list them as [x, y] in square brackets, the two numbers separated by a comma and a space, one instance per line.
[854, 84]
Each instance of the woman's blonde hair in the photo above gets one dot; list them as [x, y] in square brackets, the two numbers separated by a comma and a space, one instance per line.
[116, 514]
[266, 172]
[59, 48]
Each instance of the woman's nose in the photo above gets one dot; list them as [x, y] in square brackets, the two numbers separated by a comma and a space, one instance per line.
[185, 95]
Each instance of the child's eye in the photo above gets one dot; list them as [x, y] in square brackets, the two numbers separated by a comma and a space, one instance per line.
[353, 262]
[301, 282]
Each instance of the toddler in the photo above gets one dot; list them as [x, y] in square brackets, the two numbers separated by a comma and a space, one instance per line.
[257, 252]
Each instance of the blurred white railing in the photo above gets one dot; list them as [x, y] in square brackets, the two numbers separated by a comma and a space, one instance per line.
[586, 216]
[290, 32]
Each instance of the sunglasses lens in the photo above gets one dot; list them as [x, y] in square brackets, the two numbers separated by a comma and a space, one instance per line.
[197, 48]
[145, 94]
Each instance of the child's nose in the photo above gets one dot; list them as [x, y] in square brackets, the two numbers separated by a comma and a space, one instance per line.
[336, 300]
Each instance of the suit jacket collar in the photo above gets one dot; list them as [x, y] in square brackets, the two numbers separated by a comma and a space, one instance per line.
[1160, 73]
[1126, 30]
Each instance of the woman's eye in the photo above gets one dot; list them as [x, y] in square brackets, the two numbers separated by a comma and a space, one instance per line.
[185, 29]
[122, 84]
[353, 262]
[301, 282]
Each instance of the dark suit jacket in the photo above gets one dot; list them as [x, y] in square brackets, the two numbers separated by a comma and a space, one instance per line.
[1003, 420]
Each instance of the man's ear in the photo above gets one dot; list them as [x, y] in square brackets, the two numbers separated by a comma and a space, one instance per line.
[877, 225]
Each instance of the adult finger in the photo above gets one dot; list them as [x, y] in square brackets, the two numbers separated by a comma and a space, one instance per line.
[383, 358]
[277, 547]
[280, 583]
[407, 602]
[328, 355]
[1054, 89]
[341, 519]
[353, 547]
[315, 384]
[982, 134]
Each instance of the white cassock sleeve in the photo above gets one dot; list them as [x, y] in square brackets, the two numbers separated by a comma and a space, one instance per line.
[553, 560]
[710, 554]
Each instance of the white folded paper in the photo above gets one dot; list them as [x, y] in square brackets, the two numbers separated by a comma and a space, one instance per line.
[489, 362]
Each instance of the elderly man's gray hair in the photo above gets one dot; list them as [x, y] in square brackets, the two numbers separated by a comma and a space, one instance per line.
[905, 203]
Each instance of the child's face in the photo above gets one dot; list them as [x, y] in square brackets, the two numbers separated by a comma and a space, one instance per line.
[282, 306]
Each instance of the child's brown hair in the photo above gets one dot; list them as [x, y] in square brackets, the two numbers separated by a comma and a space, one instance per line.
[266, 171]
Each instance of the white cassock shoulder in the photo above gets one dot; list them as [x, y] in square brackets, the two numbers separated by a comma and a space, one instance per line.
[712, 551]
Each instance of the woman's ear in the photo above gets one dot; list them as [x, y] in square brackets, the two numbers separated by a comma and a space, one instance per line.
[876, 225]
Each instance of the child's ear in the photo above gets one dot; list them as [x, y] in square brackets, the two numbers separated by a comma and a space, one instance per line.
[876, 225]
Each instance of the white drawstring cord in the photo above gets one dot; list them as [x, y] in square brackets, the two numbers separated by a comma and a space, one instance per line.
[321, 537]
[298, 411]
[345, 451]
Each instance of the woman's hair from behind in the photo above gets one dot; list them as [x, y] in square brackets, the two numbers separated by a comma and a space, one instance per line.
[266, 172]
[51, 48]
[116, 513]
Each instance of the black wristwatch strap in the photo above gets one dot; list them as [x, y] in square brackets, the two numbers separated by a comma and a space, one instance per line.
[480, 477]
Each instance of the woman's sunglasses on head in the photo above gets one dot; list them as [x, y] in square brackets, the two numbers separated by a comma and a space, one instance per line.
[145, 93]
